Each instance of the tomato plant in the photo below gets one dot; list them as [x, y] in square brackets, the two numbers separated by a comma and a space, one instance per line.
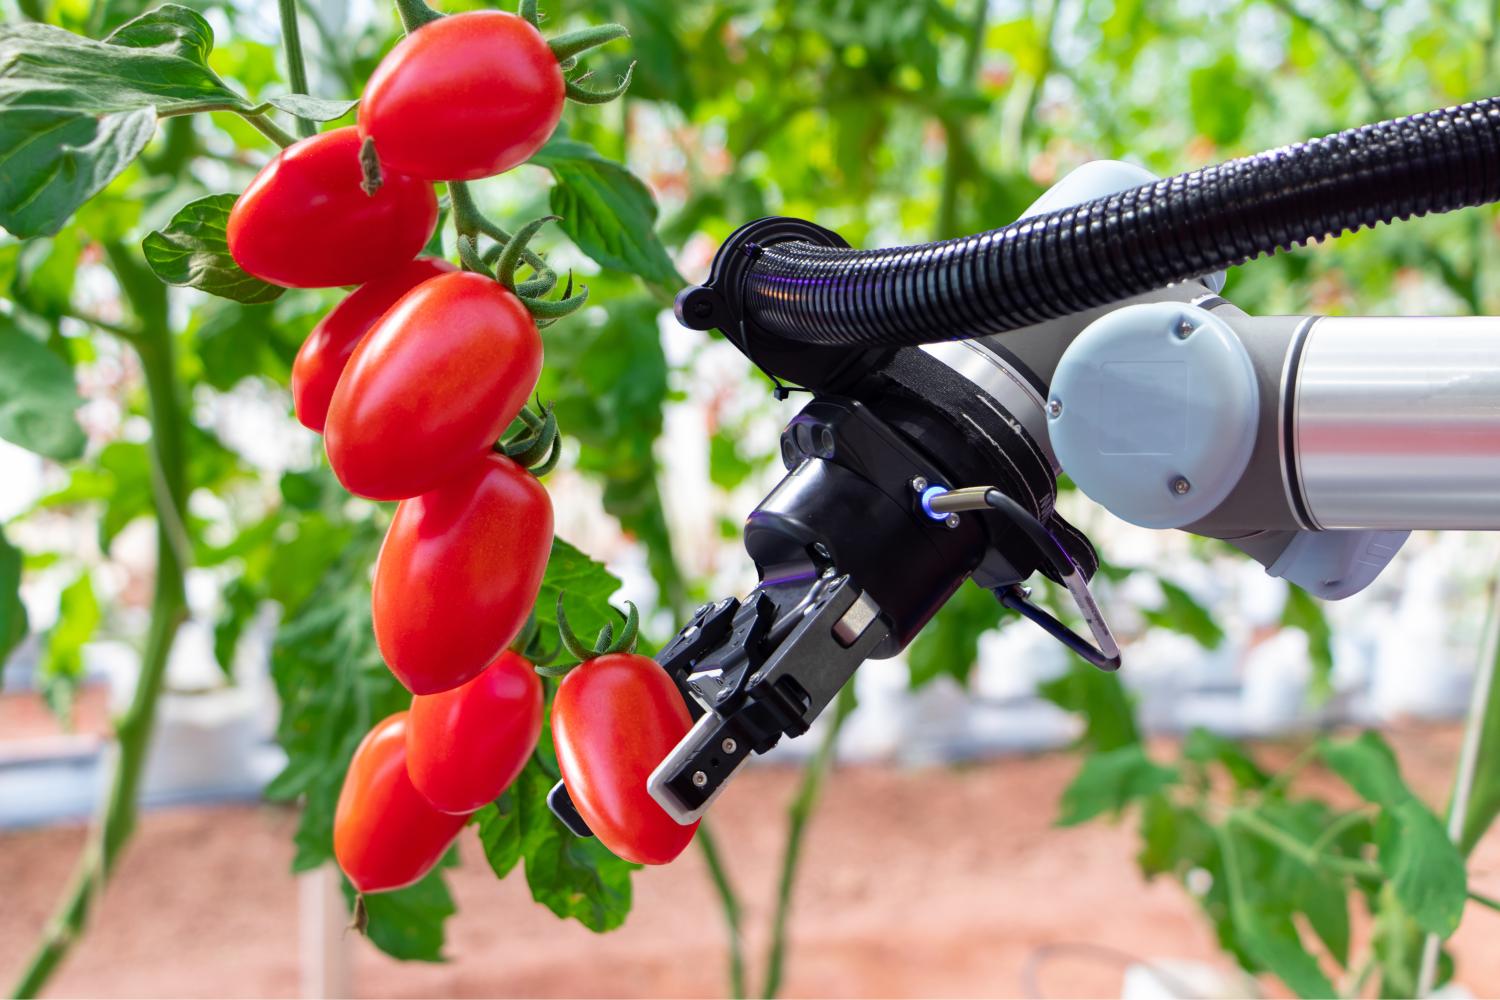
[465, 746]
[885, 119]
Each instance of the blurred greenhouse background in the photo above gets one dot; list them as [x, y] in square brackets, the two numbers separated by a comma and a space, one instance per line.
[889, 121]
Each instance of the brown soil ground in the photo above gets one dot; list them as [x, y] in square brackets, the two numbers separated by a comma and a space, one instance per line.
[916, 883]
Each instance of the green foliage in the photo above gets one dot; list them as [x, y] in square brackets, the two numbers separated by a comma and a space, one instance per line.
[1305, 613]
[1102, 702]
[74, 112]
[1181, 613]
[1111, 780]
[607, 211]
[38, 397]
[1426, 871]
[1484, 802]
[617, 421]
[13, 621]
[888, 120]
[408, 923]
[573, 877]
[194, 251]
[78, 616]
[949, 645]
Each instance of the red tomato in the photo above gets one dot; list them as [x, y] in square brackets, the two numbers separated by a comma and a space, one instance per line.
[458, 573]
[614, 718]
[464, 97]
[431, 387]
[326, 350]
[304, 221]
[385, 834]
[465, 746]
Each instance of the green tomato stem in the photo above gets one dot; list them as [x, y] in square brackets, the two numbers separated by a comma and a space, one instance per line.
[798, 814]
[580, 94]
[116, 819]
[729, 902]
[414, 14]
[565, 47]
[263, 124]
[296, 69]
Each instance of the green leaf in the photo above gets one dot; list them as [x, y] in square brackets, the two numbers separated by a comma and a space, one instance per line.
[574, 877]
[501, 828]
[1368, 765]
[1275, 944]
[408, 923]
[1304, 612]
[1484, 801]
[727, 468]
[1174, 839]
[1221, 99]
[948, 645]
[13, 622]
[617, 420]
[1181, 613]
[1426, 870]
[120, 479]
[1324, 900]
[74, 112]
[314, 109]
[240, 604]
[38, 398]
[78, 616]
[1101, 699]
[194, 251]
[1205, 747]
[606, 210]
[1110, 781]
[588, 586]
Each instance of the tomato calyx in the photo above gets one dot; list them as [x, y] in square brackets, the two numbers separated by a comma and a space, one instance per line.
[504, 257]
[533, 441]
[528, 644]
[607, 643]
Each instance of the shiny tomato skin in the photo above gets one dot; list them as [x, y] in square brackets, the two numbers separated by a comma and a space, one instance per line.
[385, 834]
[304, 221]
[466, 745]
[458, 573]
[431, 387]
[614, 719]
[326, 351]
[464, 97]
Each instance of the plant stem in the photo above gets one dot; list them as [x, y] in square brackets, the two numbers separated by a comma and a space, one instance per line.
[1020, 106]
[1468, 767]
[1273, 834]
[296, 69]
[729, 902]
[414, 14]
[116, 819]
[797, 816]
[955, 129]
[263, 124]
[1348, 55]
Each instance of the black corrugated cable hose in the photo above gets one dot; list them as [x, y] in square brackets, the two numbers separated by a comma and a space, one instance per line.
[1129, 243]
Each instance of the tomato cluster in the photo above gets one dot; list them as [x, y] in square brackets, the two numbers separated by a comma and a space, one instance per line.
[419, 382]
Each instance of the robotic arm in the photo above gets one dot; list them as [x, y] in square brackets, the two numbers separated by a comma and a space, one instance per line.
[953, 382]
